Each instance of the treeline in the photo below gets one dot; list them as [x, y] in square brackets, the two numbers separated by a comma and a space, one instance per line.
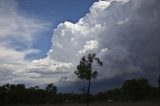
[131, 90]
[19, 94]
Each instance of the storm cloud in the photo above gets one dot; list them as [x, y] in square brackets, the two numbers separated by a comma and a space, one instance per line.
[125, 35]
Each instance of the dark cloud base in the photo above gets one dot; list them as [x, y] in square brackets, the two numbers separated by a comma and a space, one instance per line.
[137, 41]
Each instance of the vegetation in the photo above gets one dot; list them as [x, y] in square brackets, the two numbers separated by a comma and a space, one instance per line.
[131, 91]
[13, 94]
[85, 70]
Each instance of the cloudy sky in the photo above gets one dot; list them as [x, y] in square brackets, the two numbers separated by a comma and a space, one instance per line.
[41, 41]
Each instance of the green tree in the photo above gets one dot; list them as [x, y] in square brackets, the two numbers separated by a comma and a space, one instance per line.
[136, 89]
[85, 70]
[51, 92]
[51, 89]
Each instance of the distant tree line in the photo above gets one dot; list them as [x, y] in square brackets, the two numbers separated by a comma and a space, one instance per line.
[13, 94]
[132, 90]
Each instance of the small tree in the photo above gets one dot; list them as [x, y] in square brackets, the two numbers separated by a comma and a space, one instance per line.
[51, 89]
[85, 70]
[136, 89]
[51, 92]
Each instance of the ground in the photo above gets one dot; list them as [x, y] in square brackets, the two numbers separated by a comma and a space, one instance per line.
[99, 104]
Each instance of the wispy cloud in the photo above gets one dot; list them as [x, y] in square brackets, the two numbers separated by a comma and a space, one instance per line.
[17, 25]
[17, 32]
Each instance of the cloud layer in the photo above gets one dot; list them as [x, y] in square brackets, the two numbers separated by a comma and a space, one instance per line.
[18, 32]
[123, 33]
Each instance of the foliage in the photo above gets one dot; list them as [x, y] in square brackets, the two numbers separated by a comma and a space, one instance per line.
[132, 90]
[13, 94]
[51, 89]
[136, 89]
[85, 70]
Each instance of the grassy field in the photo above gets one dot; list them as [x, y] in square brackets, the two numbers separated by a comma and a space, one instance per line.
[99, 104]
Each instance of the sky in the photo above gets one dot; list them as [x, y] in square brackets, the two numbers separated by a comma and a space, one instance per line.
[42, 41]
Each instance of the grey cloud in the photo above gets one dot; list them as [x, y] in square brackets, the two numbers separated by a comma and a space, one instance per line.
[134, 45]
[128, 30]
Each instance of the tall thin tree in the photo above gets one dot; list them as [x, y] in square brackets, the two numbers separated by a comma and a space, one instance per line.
[85, 70]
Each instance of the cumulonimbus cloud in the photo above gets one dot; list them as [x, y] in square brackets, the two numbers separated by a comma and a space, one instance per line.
[123, 33]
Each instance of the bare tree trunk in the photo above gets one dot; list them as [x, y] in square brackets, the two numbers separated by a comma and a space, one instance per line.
[88, 93]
